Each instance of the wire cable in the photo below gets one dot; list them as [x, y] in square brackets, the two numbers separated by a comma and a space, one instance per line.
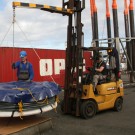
[6, 34]
[13, 37]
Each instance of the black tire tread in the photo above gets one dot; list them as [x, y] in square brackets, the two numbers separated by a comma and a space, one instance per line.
[118, 104]
[84, 106]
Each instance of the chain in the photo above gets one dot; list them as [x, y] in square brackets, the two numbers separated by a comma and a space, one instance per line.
[13, 35]
[13, 26]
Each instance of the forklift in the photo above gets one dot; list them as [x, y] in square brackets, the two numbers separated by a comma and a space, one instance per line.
[79, 97]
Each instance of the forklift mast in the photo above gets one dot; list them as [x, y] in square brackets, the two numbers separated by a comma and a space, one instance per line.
[74, 56]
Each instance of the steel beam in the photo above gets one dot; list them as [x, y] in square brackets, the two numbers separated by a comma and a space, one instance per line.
[48, 8]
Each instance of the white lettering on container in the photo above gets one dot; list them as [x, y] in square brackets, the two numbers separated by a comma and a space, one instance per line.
[59, 64]
[45, 67]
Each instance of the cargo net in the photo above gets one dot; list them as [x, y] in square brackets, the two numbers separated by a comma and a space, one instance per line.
[19, 99]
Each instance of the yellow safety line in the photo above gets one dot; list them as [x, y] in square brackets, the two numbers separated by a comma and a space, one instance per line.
[44, 101]
[20, 104]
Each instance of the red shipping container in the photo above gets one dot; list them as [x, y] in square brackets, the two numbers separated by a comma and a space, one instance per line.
[48, 65]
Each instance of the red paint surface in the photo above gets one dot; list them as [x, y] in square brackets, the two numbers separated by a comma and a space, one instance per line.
[9, 55]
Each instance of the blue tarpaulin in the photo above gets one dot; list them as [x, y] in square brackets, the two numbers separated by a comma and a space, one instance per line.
[14, 92]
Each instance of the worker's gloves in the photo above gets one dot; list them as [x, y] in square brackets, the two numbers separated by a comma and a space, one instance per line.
[13, 65]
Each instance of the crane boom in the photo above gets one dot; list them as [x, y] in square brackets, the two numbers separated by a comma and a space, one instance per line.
[48, 8]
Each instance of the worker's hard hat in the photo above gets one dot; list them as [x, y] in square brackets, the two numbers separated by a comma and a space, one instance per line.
[23, 54]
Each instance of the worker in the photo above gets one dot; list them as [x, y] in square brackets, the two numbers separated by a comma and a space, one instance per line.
[24, 68]
[100, 71]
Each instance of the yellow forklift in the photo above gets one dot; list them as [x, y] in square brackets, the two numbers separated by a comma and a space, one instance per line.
[109, 91]
[79, 98]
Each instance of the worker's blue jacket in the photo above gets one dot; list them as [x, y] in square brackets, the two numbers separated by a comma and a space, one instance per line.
[24, 67]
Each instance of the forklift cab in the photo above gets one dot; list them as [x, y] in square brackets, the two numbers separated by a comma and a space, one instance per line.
[112, 68]
[109, 91]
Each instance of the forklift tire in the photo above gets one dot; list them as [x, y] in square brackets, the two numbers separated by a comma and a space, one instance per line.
[118, 104]
[88, 109]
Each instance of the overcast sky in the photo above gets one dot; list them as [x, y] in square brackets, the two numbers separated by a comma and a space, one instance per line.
[40, 29]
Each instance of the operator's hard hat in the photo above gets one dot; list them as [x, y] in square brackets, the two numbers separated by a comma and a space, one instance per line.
[23, 54]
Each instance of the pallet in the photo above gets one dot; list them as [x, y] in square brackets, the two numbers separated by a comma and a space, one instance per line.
[32, 125]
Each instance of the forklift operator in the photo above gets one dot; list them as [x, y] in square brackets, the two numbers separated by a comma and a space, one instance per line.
[100, 71]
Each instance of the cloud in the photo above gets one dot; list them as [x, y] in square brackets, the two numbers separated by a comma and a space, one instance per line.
[45, 30]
